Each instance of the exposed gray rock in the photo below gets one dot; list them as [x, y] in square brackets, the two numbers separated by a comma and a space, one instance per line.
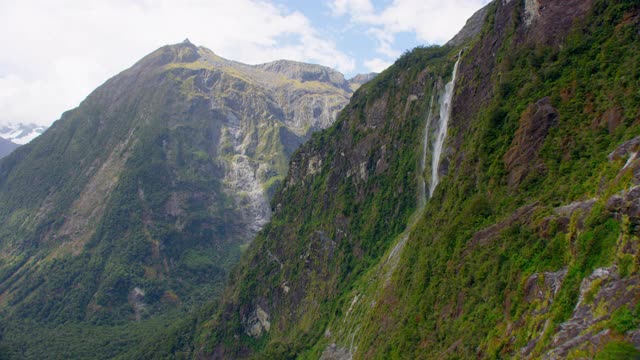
[532, 11]
[306, 72]
[136, 300]
[545, 285]
[568, 210]
[541, 288]
[471, 29]
[335, 352]
[614, 203]
[627, 147]
[257, 322]
[603, 289]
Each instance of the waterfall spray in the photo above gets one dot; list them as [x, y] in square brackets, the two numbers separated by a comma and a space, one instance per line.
[422, 199]
[445, 114]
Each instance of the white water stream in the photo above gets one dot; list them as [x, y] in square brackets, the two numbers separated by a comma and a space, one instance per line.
[389, 266]
[445, 114]
[422, 197]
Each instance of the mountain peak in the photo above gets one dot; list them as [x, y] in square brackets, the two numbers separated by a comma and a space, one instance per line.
[183, 52]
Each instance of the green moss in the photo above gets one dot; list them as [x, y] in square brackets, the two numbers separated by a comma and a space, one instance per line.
[623, 320]
[618, 350]
[626, 265]
[590, 295]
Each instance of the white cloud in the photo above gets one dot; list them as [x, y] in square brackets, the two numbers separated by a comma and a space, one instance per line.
[432, 21]
[385, 41]
[377, 65]
[56, 52]
[355, 8]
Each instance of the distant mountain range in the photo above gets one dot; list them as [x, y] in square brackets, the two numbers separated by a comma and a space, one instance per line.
[14, 135]
[21, 133]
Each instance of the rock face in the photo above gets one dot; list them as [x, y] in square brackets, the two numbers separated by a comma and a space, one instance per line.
[148, 189]
[306, 72]
[522, 156]
[529, 247]
[548, 21]
[257, 323]
[471, 29]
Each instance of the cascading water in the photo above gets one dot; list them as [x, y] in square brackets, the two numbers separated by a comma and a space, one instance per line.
[422, 197]
[351, 321]
[445, 114]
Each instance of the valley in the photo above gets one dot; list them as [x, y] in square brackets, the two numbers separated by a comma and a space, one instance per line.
[479, 199]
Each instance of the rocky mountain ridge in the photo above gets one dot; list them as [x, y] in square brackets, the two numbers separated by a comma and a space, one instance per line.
[136, 204]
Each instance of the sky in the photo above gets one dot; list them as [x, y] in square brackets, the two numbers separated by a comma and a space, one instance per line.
[54, 53]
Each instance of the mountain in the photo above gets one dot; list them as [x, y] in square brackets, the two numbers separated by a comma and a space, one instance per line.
[6, 147]
[134, 205]
[478, 200]
[21, 133]
[361, 79]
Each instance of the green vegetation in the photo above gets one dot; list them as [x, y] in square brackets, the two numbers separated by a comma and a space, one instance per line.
[618, 350]
[461, 296]
[490, 268]
[130, 212]
[456, 291]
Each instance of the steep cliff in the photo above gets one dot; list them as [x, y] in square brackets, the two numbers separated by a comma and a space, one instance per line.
[528, 246]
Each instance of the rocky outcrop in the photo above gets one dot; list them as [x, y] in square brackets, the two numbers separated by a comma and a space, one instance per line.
[136, 301]
[471, 29]
[601, 294]
[522, 156]
[257, 322]
[628, 152]
[549, 21]
[335, 352]
[626, 148]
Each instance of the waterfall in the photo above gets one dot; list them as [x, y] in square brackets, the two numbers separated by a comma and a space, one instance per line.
[388, 267]
[422, 199]
[445, 114]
